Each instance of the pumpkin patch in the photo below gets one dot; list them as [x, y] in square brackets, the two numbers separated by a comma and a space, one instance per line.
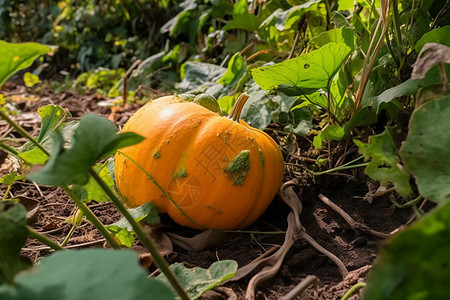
[219, 171]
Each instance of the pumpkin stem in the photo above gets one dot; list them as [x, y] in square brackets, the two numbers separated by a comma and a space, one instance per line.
[237, 107]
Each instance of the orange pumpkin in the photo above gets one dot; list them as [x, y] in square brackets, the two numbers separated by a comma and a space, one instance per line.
[221, 172]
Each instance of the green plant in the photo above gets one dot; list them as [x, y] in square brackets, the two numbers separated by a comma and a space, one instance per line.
[73, 169]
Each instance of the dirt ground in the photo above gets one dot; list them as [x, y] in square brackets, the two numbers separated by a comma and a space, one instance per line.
[357, 249]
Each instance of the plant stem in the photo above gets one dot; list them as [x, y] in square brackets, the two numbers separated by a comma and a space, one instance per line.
[7, 192]
[343, 167]
[23, 132]
[69, 235]
[44, 239]
[148, 242]
[353, 289]
[9, 149]
[396, 21]
[92, 218]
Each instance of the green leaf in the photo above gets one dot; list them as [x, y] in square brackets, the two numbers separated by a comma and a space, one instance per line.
[345, 4]
[407, 88]
[53, 117]
[30, 79]
[425, 151]
[304, 74]
[330, 133]
[94, 139]
[99, 274]
[284, 20]
[226, 103]
[13, 235]
[196, 281]
[236, 69]
[301, 122]
[200, 75]
[384, 162]
[9, 179]
[15, 57]
[413, 264]
[123, 230]
[258, 109]
[438, 35]
[242, 18]
[338, 35]
[93, 191]
[124, 236]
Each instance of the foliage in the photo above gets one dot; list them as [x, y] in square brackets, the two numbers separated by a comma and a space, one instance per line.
[89, 33]
[196, 281]
[316, 71]
[406, 269]
[13, 235]
[93, 274]
[18, 56]
[425, 150]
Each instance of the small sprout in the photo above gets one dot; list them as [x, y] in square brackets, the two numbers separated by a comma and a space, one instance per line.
[157, 154]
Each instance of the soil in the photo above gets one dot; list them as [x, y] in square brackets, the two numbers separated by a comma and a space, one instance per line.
[348, 189]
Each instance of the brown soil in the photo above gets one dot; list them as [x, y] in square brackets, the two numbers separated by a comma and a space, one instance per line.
[356, 249]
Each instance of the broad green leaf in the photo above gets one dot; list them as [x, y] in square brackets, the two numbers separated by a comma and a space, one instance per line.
[425, 151]
[337, 35]
[94, 139]
[301, 123]
[330, 133]
[15, 57]
[304, 74]
[345, 4]
[124, 236]
[30, 79]
[53, 117]
[236, 69]
[99, 274]
[384, 162]
[226, 103]
[93, 191]
[123, 230]
[284, 20]
[413, 264]
[196, 281]
[258, 109]
[438, 35]
[407, 88]
[13, 234]
[199, 75]
[242, 18]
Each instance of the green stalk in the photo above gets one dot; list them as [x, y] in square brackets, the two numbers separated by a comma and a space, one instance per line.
[343, 167]
[8, 189]
[44, 239]
[396, 21]
[340, 168]
[353, 289]
[9, 149]
[81, 205]
[147, 241]
[23, 132]
[92, 218]
[69, 235]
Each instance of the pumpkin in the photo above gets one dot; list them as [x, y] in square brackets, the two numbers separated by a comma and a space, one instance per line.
[221, 172]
